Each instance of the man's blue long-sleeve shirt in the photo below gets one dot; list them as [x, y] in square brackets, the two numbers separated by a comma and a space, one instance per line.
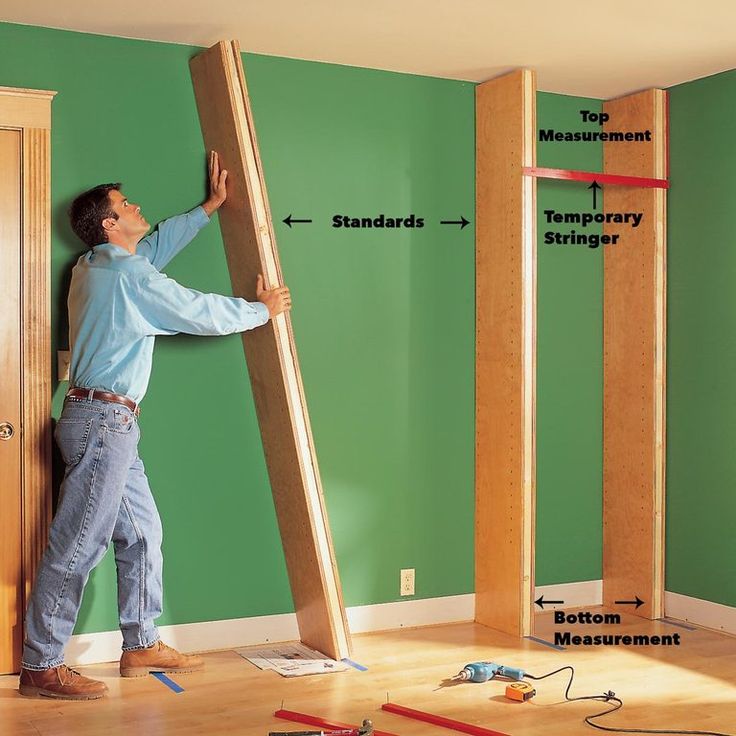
[119, 302]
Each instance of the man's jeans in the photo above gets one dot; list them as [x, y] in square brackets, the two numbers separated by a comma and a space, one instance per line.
[104, 496]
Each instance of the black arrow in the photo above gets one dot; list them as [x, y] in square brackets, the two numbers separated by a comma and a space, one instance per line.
[638, 602]
[462, 222]
[288, 220]
[541, 602]
[595, 185]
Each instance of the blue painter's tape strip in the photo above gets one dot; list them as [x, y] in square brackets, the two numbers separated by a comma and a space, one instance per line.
[355, 664]
[677, 623]
[547, 643]
[169, 683]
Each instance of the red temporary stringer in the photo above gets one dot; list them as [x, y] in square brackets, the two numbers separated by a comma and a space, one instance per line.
[419, 715]
[627, 181]
[290, 715]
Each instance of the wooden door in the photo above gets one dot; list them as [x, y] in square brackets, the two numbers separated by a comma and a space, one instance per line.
[11, 567]
[25, 354]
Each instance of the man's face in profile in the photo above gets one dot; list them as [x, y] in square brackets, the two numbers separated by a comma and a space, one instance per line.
[131, 224]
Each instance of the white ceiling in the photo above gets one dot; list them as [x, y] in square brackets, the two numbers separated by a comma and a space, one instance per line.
[594, 48]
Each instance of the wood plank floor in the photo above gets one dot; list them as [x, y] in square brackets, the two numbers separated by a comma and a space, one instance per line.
[691, 686]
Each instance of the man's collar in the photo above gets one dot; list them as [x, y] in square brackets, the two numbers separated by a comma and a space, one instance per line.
[112, 248]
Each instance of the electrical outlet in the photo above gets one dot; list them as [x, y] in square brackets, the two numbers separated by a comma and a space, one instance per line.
[407, 582]
[62, 365]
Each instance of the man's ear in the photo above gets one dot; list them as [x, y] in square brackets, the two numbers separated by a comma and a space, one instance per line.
[109, 223]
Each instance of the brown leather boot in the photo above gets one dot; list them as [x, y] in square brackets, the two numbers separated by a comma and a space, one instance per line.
[60, 682]
[157, 658]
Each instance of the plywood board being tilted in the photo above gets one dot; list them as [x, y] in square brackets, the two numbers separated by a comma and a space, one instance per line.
[634, 362]
[505, 352]
[247, 231]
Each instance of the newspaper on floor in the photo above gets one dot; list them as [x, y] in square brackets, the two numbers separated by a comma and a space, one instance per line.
[291, 660]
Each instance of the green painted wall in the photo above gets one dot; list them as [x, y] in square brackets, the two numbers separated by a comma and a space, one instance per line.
[701, 350]
[569, 362]
[384, 321]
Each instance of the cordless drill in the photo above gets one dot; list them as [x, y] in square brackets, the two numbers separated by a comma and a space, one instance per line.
[484, 671]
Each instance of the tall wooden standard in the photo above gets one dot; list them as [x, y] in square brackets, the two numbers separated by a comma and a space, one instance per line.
[247, 231]
[505, 352]
[634, 363]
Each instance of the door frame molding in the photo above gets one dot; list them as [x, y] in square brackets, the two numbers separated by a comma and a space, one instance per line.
[29, 111]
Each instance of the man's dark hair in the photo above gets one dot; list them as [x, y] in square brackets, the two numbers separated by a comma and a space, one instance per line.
[88, 211]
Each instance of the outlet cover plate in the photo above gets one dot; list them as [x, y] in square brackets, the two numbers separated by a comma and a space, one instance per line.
[407, 582]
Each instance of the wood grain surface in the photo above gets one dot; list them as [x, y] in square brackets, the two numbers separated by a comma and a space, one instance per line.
[505, 352]
[634, 342]
[273, 366]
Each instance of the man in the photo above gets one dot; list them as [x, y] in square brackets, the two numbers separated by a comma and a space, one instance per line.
[118, 302]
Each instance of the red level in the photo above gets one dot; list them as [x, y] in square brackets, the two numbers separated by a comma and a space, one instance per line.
[626, 181]
[291, 715]
[419, 715]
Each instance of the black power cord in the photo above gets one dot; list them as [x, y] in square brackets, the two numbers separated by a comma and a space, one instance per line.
[611, 697]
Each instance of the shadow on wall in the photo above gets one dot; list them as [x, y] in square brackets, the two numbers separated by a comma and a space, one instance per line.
[74, 248]
[73, 245]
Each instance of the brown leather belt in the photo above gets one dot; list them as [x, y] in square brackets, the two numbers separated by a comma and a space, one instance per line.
[93, 393]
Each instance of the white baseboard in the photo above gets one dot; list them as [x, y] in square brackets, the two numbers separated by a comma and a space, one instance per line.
[702, 613]
[105, 646]
[423, 612]
[586, 593]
